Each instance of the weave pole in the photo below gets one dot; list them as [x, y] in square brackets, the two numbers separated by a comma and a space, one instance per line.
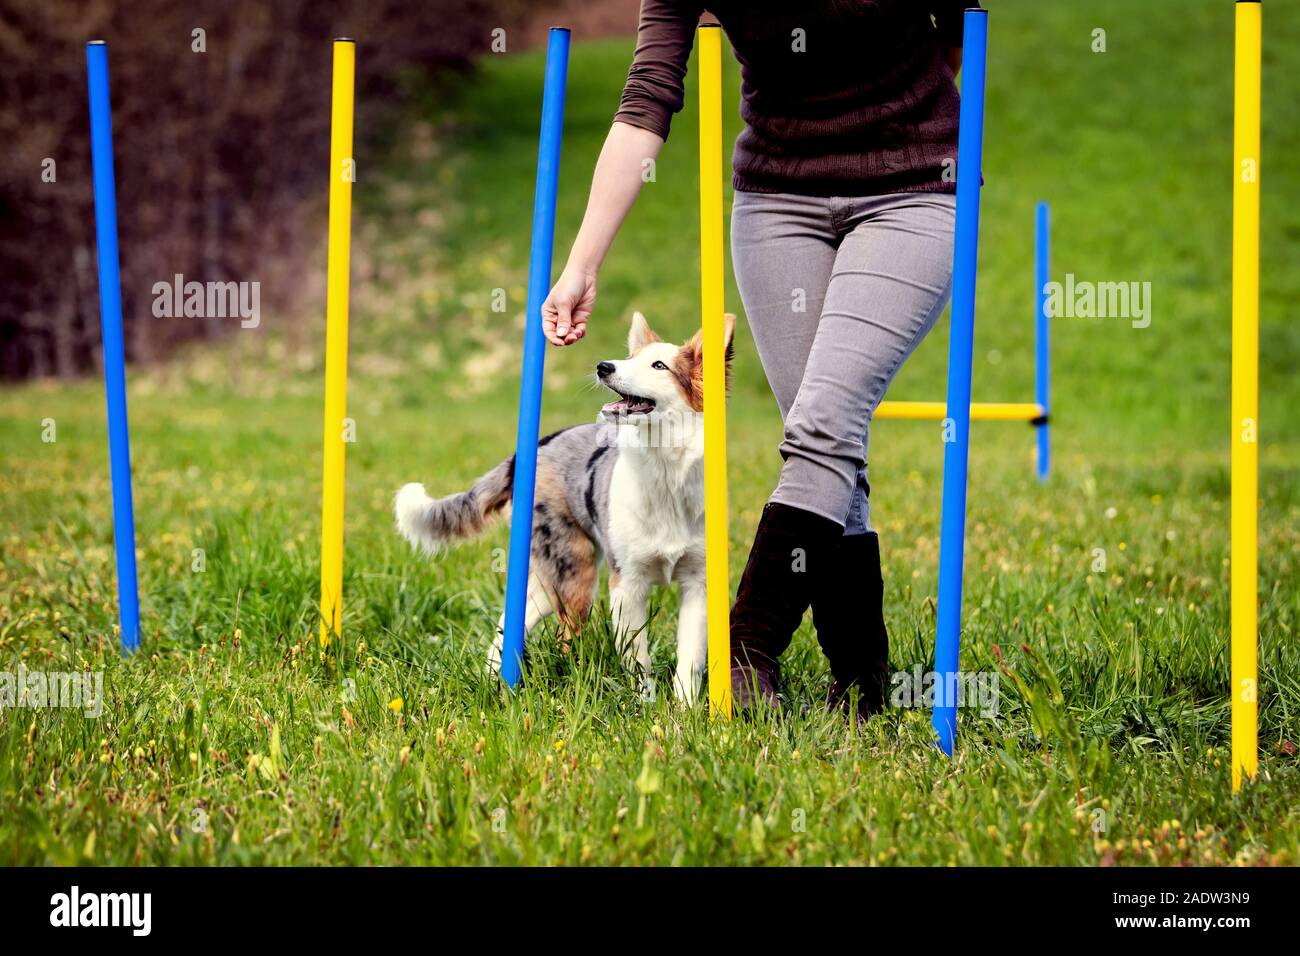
[1245, 392]
[956, 453]
[110, 320]
[342, 174]
[716, 543]
[530, 387]
[1042, 340]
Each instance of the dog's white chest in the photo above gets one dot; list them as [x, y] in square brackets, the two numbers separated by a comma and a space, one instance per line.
[656, 518]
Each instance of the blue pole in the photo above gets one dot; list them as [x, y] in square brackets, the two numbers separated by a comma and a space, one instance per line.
[110, 319]
[530, 388]
[1042, 350]
[952, 540]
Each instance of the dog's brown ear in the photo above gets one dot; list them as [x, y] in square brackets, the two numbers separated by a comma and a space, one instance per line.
[640, 335]
[696, 343]
[695, 349]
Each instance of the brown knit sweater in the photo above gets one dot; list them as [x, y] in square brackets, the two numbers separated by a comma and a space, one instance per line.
[839, 97]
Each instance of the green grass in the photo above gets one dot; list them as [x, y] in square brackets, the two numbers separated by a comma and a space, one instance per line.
[1121, 699]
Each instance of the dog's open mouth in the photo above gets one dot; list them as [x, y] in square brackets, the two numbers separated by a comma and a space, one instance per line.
[628, 405]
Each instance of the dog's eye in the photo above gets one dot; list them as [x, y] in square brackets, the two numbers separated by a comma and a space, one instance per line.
[660, 366]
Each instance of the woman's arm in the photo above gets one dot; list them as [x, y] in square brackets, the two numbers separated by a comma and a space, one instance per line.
[655, 90]
[614, 188]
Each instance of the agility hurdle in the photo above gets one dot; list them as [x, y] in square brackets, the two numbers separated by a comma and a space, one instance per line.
[342, 174]
[110, 320]
[1035, 413]
[1244, 595]
[530, 386]
[956, 454]
[717, 580]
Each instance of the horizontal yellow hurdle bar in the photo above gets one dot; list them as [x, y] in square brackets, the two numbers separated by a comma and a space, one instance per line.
[979, 411]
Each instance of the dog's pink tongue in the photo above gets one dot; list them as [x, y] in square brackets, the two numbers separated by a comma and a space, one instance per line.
[618, 405]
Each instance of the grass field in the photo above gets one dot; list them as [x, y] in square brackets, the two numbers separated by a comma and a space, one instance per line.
[231, 739]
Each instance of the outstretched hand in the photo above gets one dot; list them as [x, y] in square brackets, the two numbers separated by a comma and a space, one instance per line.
[567, 308]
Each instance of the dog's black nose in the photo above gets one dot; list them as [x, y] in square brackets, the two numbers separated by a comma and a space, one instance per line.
[604, 369]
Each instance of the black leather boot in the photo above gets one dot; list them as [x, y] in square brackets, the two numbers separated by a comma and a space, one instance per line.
[791, 549]
[848, 612]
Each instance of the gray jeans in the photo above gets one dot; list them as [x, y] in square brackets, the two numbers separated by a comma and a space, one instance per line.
[839, 292]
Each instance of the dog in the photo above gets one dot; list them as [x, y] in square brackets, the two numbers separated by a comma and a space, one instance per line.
[628, 489]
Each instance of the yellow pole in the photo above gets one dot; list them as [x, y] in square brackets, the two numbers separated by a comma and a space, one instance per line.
[716, 541]
[979, 411]
[342, 175]
[1245, 393]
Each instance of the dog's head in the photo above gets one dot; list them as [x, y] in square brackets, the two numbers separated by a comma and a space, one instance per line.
[657, 376]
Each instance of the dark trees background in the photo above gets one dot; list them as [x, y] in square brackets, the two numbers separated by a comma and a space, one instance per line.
[220, 156]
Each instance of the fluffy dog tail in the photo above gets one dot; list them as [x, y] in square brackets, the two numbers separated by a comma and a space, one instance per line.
[428, 522]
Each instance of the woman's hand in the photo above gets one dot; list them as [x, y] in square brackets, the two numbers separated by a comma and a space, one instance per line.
[567, 308]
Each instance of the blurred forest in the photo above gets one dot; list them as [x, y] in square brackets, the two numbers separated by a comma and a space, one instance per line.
[219, 154]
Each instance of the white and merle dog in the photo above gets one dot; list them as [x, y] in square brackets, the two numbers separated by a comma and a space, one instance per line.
[629, 488]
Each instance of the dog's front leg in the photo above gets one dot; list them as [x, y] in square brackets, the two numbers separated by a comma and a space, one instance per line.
[537, 608]
[628, 602]
[692, 642]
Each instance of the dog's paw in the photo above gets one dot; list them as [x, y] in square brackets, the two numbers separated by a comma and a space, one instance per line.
[686, 691]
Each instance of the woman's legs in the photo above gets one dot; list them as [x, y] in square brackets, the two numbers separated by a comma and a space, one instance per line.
[893, 307]
[838, 293]
[783, 250]
[891, 280]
